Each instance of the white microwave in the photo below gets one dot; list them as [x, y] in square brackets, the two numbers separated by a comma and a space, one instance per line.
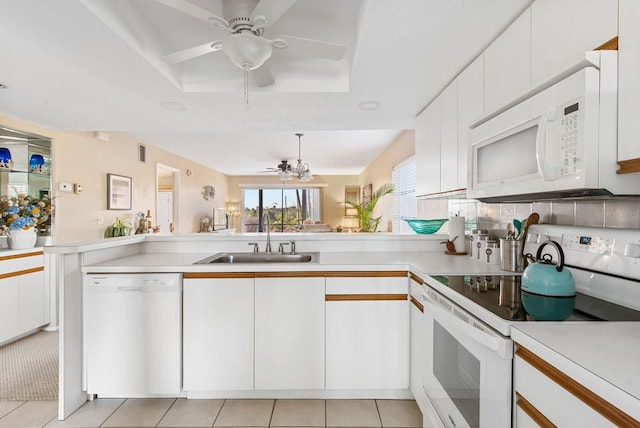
[558, 140]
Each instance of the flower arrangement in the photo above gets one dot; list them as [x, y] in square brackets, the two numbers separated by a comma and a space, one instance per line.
[25, 212]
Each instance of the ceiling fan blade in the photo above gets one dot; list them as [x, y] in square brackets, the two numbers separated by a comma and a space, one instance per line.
[314, 48]
[197, 12]
[263, 76]
[194, 52]
[272, 10]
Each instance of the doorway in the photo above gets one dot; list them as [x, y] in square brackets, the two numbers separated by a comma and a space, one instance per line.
[167, 188]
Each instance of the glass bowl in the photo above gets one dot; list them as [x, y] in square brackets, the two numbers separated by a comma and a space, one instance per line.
[423, 226]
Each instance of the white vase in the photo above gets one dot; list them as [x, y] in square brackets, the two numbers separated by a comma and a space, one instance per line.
[21, 239]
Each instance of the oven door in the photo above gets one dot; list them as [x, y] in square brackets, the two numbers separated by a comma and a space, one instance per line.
[468, 373]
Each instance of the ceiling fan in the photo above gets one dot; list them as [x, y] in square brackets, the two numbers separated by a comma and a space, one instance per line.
[245, 44]
[286, 171]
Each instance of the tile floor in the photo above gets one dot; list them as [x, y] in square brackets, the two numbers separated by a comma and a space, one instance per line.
[169, 412]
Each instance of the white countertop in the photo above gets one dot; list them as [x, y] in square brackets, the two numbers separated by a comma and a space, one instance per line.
[603, 356]
[421, 263]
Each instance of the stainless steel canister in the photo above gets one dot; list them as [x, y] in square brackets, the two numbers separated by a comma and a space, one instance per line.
[511, 257]
[473, 238]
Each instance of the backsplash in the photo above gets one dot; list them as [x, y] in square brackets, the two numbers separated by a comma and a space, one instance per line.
[615, 213]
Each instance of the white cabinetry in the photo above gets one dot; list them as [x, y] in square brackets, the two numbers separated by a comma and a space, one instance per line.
[449, 138]
[507, 64]
[418, 343]
[289, 333]
[470, 108]
[218, 334]
[428, 150]
[23, 305]
[545, 396]
[629, 85]
[561, 31]
[367, 335]
[9, 308]
[442, 134]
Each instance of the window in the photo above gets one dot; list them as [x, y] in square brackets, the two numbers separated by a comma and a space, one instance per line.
[286, 209]
[403, 178]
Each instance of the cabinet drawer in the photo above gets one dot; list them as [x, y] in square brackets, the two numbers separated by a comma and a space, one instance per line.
[557, 404]
[377, 285]
[11, 264]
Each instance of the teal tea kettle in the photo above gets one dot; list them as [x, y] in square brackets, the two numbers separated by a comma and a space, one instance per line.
[548, 289]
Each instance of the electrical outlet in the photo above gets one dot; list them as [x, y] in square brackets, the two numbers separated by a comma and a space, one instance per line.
[100, 219]
[65, 187]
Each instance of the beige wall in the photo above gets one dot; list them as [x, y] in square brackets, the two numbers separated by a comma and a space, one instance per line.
[379, 172]
[77, 157]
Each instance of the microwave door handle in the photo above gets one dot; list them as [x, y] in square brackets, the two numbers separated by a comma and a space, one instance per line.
[541, 143]
[485, 339]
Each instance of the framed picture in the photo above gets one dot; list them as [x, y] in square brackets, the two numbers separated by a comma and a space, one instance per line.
[367, 192]
[118, 192]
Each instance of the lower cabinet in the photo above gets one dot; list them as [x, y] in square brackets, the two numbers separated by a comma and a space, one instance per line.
[289, 333]
[418, 342]
[367, 332]
[547, 397]
[218, 329]
[22, 295]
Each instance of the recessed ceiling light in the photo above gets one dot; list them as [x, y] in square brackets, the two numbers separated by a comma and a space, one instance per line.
[173, 106]
[369, 105]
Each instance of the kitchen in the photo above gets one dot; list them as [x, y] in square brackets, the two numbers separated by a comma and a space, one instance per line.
[612, 213]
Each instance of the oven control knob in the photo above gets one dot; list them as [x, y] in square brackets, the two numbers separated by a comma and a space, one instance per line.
[632, 250]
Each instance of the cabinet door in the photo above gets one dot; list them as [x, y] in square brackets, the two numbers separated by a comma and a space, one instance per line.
[218, 334]
[428, 150]
[449, 138]
[507, 64]
[289, 328]
[9, 308]
[32, 301]
[628, 82]
[562, 31]
[418, 353]
[470, 108]
[367, 336]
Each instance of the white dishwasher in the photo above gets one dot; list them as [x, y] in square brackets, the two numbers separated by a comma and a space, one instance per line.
[132, 334]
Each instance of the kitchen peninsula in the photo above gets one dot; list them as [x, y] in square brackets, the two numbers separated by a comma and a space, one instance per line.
[352, 269]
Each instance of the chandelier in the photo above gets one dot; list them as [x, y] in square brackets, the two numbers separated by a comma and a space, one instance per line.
[301, 171]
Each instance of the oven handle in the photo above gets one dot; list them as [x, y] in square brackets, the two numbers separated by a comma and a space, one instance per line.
[484, 338]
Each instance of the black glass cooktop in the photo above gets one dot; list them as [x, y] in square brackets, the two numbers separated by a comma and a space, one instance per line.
[502, 296]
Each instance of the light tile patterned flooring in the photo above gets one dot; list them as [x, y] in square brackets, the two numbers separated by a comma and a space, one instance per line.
[169, 412]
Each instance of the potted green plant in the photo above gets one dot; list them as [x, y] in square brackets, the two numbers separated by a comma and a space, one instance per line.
[368, 223]
[117, 228]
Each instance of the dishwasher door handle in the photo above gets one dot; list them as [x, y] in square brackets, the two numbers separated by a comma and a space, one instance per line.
[131, 288]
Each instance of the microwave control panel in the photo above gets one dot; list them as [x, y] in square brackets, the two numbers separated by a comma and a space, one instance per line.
[570, 162]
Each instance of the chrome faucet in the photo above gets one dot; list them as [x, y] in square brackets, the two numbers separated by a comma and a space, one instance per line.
[268, 247]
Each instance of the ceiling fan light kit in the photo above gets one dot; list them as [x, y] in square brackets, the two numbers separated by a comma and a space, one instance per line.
[287, 172]
[246, 21]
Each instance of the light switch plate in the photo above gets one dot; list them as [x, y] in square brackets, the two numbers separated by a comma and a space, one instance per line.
[65, 187]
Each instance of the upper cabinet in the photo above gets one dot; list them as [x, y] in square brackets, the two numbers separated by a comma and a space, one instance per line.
[561, 31]
[449, 138]
[428, 150]
[629, 87]
[507, 64]
[442, 134]
[470, 108]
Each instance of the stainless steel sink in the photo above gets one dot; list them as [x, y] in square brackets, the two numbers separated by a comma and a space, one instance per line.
[260, 258]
